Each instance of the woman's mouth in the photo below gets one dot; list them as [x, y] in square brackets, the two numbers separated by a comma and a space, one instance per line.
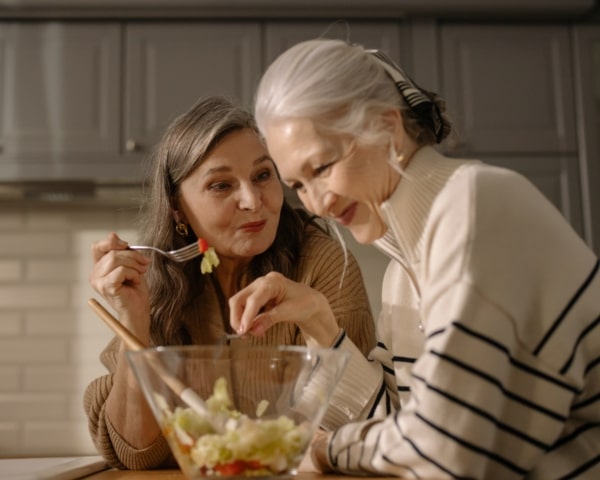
[346, 217]
[253, 226]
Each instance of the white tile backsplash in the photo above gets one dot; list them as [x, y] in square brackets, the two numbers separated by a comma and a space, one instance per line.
[11, 270]
[50, 341]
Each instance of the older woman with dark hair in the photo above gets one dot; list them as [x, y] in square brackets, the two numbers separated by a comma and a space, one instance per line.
[211, 178]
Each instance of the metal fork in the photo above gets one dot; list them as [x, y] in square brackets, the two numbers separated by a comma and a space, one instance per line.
[180, 255]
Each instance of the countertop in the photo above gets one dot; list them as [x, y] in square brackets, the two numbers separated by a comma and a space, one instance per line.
[50, 468]
[94, 468]
[177, 475]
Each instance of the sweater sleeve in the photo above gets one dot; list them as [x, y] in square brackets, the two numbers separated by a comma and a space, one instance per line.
[327, 268]
[109, 444]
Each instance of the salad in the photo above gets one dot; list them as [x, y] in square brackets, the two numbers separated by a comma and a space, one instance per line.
[247, 447]
[210, 258]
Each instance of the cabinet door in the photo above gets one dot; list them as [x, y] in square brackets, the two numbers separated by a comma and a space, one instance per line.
[58, 98]
[587, 67]
[171, 65]
[547, 173]
[384, 35]
[510, 95]
[509, 87]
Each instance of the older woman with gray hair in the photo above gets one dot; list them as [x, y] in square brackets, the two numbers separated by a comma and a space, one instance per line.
[488, 356]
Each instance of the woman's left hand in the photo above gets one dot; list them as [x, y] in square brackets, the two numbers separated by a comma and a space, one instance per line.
[274, 298]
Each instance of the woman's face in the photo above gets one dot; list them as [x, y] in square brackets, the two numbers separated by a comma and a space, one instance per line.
[234, 198]
[334, 178]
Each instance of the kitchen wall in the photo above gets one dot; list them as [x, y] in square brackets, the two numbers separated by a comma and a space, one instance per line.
[50, 340]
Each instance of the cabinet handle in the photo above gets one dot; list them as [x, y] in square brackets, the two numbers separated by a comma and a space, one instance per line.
[131, 145]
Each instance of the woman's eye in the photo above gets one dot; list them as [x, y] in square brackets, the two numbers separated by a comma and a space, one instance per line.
[263, 176]
[296, 186]
[322, 169]
[219, 186]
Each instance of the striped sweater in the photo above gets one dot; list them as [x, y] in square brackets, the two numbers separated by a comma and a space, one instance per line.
[488, 355]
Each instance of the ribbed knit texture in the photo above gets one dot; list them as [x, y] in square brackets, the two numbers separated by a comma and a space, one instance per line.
[504, 380]
[321, 266]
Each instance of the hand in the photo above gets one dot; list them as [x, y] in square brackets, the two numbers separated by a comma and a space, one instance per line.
[315, 459]
[118, 275]
[274, 298]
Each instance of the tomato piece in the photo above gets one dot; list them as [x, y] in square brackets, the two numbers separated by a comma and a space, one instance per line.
[237, 467]
[202, 245]
[234, 468]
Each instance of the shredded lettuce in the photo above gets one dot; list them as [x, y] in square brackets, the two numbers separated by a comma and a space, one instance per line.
[249, 447]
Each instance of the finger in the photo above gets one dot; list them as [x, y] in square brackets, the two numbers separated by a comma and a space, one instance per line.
[111, 285]
[120, 258]
[102, 247]
[252, 306]
[319, 451]
[273, 313]
[249, 302]
[260, 324]
[117, 268]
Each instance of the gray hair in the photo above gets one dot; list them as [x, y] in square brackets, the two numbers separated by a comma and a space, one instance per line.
[341, 88]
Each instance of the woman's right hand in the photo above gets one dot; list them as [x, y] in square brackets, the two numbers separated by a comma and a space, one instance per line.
[118, 275]
[274, 298]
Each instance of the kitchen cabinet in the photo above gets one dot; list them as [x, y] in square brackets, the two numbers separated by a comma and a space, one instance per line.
[510, 87]
[510, 93]
[386, 35]
[85, 100]
[59, 98]
[586, 49]
[89, 100]
[171, 65]
[297, 8]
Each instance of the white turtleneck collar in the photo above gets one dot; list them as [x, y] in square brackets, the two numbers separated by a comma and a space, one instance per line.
[407, 209]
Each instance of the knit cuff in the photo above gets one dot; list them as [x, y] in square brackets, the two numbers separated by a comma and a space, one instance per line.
[355, 391]
[151, 457]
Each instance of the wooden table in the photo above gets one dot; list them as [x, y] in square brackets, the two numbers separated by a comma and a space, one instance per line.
[137, 475]
[177, 475]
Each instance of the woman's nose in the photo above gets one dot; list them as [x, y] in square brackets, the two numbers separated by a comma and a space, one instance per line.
[249, 198]
[318, 202]
[329, 201]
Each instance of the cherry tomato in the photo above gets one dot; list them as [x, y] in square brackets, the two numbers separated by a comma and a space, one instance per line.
[202, 245]
[237, 467]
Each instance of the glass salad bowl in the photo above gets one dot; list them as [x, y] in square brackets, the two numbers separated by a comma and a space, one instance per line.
[238, 410]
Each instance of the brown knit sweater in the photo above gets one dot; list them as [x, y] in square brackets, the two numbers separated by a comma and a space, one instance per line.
[321, 266]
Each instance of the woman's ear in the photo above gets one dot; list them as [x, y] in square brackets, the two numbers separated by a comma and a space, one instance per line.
[176, 211]
[391, 121]
[178, 216]
[181, 224]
